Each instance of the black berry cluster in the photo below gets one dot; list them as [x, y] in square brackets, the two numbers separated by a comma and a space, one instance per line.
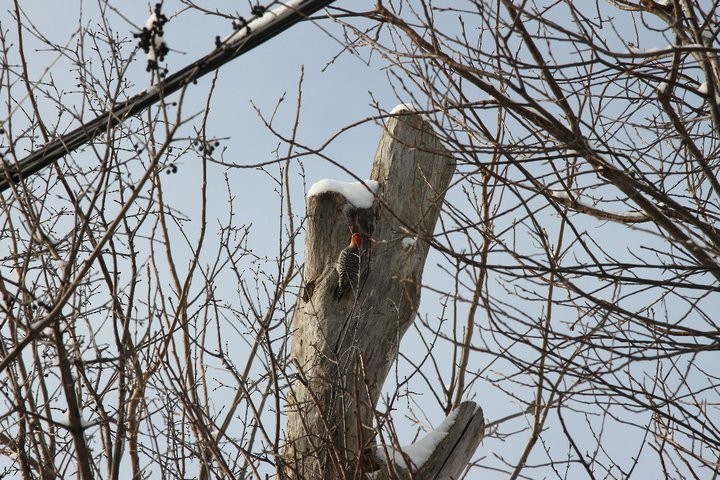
[258, 10]
[151, 38]
[208, 147]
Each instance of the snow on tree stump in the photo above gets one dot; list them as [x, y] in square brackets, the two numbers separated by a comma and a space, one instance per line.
[342, 349]
[441, 454]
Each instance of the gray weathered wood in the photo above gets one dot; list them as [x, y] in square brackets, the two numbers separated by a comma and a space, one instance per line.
[343, 349]
[450, 456]
[454, 452]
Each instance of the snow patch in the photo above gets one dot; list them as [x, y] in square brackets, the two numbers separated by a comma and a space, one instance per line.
[65, 421]
[408, 242]
[633, 216]
[403, 108]
[263, 21]
[48, 331]
[359, 194]
[652, 51]
[562, 194]
[150, 23]
[703, 88]
[152, 90]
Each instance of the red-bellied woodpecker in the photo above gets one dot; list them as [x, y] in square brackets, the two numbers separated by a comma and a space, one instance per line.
[348, 266]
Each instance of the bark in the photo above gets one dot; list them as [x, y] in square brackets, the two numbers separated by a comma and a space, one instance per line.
[343, 349]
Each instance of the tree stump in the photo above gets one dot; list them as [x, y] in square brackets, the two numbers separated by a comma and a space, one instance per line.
[343, 349]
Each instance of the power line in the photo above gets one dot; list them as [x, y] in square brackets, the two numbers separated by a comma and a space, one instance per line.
[250, 35]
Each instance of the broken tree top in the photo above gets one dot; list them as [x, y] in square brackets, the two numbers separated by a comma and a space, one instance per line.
[419, 452]
[359, 194]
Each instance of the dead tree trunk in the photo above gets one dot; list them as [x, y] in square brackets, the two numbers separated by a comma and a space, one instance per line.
[343, 348]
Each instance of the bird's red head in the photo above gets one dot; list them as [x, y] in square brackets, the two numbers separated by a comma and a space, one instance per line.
[356, 240]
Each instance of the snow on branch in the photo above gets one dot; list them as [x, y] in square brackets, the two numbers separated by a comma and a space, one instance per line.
[262, 20]
[564, 198]
[152, 38]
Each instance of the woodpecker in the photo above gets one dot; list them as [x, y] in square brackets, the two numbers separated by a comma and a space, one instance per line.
[348, 266]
